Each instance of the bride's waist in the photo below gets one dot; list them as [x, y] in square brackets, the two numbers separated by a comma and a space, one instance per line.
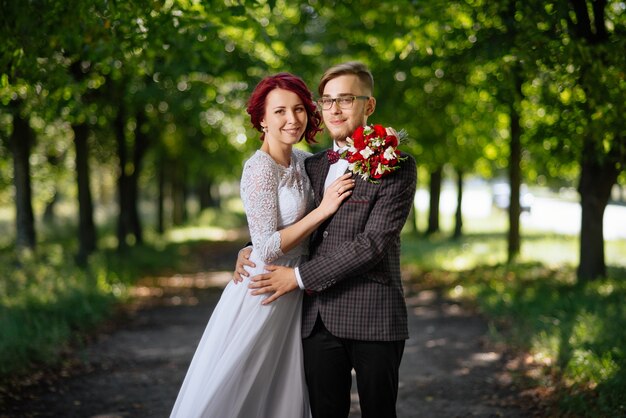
[290, 259]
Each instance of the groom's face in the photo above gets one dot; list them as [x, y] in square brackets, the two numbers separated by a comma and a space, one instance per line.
[342, 121]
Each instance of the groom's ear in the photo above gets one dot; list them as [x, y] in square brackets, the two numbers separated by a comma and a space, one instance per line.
[370, 106]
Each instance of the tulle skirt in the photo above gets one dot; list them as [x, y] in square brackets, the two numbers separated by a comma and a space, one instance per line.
[249, 361]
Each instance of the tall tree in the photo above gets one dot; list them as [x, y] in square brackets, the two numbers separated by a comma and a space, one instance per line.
[436, 178]
[124, 219]
[600, 165]
[142, 142]
[86, 225]
[515, 170]
[458, 214]
[580, 80]
[21, 141]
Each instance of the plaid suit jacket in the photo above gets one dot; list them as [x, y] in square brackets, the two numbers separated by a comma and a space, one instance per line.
[353, 275]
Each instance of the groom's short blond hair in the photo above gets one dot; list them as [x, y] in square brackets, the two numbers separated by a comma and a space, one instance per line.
[351, 67]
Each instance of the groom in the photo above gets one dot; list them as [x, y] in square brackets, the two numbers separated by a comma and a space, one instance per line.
[354, 314]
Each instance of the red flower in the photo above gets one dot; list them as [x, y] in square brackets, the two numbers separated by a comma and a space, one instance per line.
[355, 157]
[359, 139]
[380, 131]
[391, 141]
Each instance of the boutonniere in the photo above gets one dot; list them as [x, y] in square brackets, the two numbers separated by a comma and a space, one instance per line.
[372, 153]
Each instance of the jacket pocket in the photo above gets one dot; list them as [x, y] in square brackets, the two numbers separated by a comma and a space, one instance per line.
[358, 200]
[378, 277]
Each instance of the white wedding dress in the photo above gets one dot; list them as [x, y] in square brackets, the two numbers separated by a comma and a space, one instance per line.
[249, 361]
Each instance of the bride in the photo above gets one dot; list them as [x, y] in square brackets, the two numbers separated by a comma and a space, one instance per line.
[249, 360]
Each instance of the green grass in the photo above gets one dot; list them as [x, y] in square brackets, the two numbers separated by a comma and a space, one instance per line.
[48, 303]
[573, 331]
[44, 300]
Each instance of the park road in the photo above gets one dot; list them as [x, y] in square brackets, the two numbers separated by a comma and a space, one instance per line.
[449, 368]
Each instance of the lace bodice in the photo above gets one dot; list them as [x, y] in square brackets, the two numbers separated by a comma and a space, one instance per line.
[275, 197]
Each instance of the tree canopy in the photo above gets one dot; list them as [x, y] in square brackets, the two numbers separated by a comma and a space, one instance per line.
[159, 88]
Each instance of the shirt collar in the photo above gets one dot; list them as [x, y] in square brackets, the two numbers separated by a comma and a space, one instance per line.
[339, 149]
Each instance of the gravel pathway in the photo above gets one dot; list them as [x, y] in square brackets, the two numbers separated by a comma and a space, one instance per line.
[449, 368]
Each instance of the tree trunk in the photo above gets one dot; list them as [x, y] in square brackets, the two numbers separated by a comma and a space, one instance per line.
[123, 221]
[86, 226]
[596, 180]
[599, 169]
[515, 179]
[458, 217]
[48, 212]
[178, 191]
[21, 141]
[161, 196]
[54, 161]
[139, 151]
[179, 199]
[436, 177]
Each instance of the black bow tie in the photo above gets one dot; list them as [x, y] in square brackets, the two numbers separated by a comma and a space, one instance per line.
[333, 156]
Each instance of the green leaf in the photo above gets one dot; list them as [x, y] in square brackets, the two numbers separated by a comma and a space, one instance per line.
[237, 10]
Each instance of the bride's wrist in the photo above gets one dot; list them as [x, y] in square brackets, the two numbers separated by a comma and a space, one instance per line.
[322, 214]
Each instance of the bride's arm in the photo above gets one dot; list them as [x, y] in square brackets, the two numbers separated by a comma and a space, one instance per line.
[259, 193]
[336, 193]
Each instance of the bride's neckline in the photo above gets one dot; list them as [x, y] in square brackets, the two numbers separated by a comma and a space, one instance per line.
[276, 162]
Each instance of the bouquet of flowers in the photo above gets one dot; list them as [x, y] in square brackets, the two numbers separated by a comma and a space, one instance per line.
[372, 153]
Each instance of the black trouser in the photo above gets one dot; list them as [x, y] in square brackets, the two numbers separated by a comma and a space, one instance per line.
[328, 364]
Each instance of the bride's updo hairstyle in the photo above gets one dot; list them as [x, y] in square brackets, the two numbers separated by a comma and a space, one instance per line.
[285, 81]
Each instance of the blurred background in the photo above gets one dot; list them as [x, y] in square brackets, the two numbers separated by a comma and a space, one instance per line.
[123, 133]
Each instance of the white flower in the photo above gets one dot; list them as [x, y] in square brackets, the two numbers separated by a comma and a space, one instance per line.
[390, 153]
[379, 169]
[367, 152]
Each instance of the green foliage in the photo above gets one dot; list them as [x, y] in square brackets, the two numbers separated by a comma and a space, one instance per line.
[44, 302]
[574, 332]
[443, 72]
[47, 302]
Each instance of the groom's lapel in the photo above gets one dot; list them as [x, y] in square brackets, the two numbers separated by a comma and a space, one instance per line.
[319, 171]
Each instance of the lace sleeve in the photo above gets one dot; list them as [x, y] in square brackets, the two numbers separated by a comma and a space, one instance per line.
[259, 194]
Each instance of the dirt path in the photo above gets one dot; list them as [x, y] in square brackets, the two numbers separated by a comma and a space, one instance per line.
[448, 368]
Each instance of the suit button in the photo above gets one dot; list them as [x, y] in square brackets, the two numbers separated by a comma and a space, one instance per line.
[325, 234]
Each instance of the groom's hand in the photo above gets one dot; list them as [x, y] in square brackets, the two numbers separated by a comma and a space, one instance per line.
[243, 259]
[279, 280]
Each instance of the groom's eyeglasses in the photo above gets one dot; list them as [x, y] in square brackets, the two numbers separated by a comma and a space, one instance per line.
[344, 102]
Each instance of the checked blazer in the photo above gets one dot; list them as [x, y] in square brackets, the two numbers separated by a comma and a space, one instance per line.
[353, 275]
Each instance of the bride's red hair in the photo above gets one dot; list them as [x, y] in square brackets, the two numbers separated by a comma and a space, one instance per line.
[285, 81]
